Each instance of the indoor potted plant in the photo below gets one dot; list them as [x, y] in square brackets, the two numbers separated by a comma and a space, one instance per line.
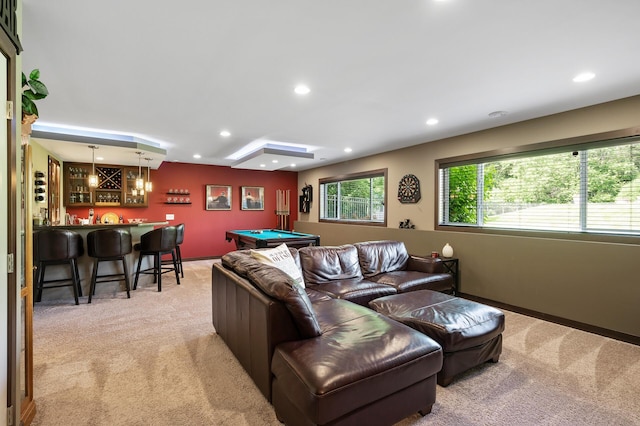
[32, 90]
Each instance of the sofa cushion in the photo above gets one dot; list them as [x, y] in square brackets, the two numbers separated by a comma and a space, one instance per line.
[355, 290]
[377, 257]
[404, 281]
[281, 258]
[317, 296]
[321, 264]
[278, 285]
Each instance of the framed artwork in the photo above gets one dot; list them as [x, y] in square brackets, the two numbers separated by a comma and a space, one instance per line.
[252, 198]
[218, 197]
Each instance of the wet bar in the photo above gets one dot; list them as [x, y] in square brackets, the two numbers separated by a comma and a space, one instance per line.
[85, 263]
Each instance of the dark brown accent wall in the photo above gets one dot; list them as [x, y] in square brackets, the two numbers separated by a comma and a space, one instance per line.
[596, 283]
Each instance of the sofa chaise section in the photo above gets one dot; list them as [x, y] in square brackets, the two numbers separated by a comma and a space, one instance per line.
[363, 369]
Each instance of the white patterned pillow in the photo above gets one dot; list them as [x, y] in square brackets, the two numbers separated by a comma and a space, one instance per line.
[280, 257]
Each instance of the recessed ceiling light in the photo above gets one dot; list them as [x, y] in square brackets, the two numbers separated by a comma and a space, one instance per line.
[293, 164]
[348, 150]
[274, 161]
[302, 89]
[263, 165]
[585, 76]
[432, 122]
[225, 133]
[197, 156]
[497, 114]
[99, 158]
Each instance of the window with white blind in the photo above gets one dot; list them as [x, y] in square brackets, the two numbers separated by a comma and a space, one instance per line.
[593, 188]
[355, 198]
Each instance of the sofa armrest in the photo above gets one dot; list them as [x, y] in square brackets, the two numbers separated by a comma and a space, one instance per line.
[251, 323]
[425, 264]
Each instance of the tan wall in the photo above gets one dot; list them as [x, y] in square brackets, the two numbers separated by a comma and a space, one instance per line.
[590, 282]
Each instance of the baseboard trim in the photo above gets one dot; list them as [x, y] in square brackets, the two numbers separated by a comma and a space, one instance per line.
[634, 340]
[184, 259]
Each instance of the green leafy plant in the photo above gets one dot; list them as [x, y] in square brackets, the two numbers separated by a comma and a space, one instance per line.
[32, 90]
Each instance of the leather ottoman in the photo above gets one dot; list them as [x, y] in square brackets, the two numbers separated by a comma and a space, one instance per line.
[470, 333]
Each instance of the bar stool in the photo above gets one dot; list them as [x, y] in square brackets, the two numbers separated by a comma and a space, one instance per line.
[109, 245]
[157, 243]
[57, 247]
[179, 240]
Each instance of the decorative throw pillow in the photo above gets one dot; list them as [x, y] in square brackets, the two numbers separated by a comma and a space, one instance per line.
[280, 257]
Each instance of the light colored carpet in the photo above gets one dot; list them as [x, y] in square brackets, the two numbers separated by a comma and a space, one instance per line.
[155, 359]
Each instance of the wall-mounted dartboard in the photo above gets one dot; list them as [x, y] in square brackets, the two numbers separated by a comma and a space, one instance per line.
[409, 189]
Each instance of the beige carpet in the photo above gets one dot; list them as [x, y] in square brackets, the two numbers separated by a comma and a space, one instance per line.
[155, 359]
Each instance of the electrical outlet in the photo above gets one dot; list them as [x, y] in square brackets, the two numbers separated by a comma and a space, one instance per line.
[169, 217]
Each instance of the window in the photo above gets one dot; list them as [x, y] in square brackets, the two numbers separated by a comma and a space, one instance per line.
[355, 198]
[589, 188]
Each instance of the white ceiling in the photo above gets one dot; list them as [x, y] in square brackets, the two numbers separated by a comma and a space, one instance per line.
[177, 73]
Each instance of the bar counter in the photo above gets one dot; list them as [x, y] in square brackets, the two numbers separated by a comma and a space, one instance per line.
[147, 226]
[85, 263]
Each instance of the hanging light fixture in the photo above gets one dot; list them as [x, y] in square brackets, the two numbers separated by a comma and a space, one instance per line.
[93, 177]
[138, 189]
[139, 181]
[148, 186]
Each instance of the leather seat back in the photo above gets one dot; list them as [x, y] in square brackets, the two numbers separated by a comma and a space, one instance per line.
[109, 242]
[161, 240]
[321, 264]
[52, 245]
[179, 234]
[377, 257]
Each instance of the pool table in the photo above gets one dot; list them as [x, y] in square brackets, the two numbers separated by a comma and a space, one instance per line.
[261, 238]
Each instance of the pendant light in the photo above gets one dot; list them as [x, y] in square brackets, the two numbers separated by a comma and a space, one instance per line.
[139, 181]
[148, 186]
[93, 177]
[139, 186]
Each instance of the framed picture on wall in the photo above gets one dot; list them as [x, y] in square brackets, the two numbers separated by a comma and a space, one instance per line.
[252, 198]
[218, 197]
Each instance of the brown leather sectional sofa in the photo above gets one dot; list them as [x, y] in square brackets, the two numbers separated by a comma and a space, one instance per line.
[318, 354]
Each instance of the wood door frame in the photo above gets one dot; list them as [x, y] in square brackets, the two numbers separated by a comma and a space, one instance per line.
[27, 404]
[16, 411]
[11, 230]
[53, 190]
